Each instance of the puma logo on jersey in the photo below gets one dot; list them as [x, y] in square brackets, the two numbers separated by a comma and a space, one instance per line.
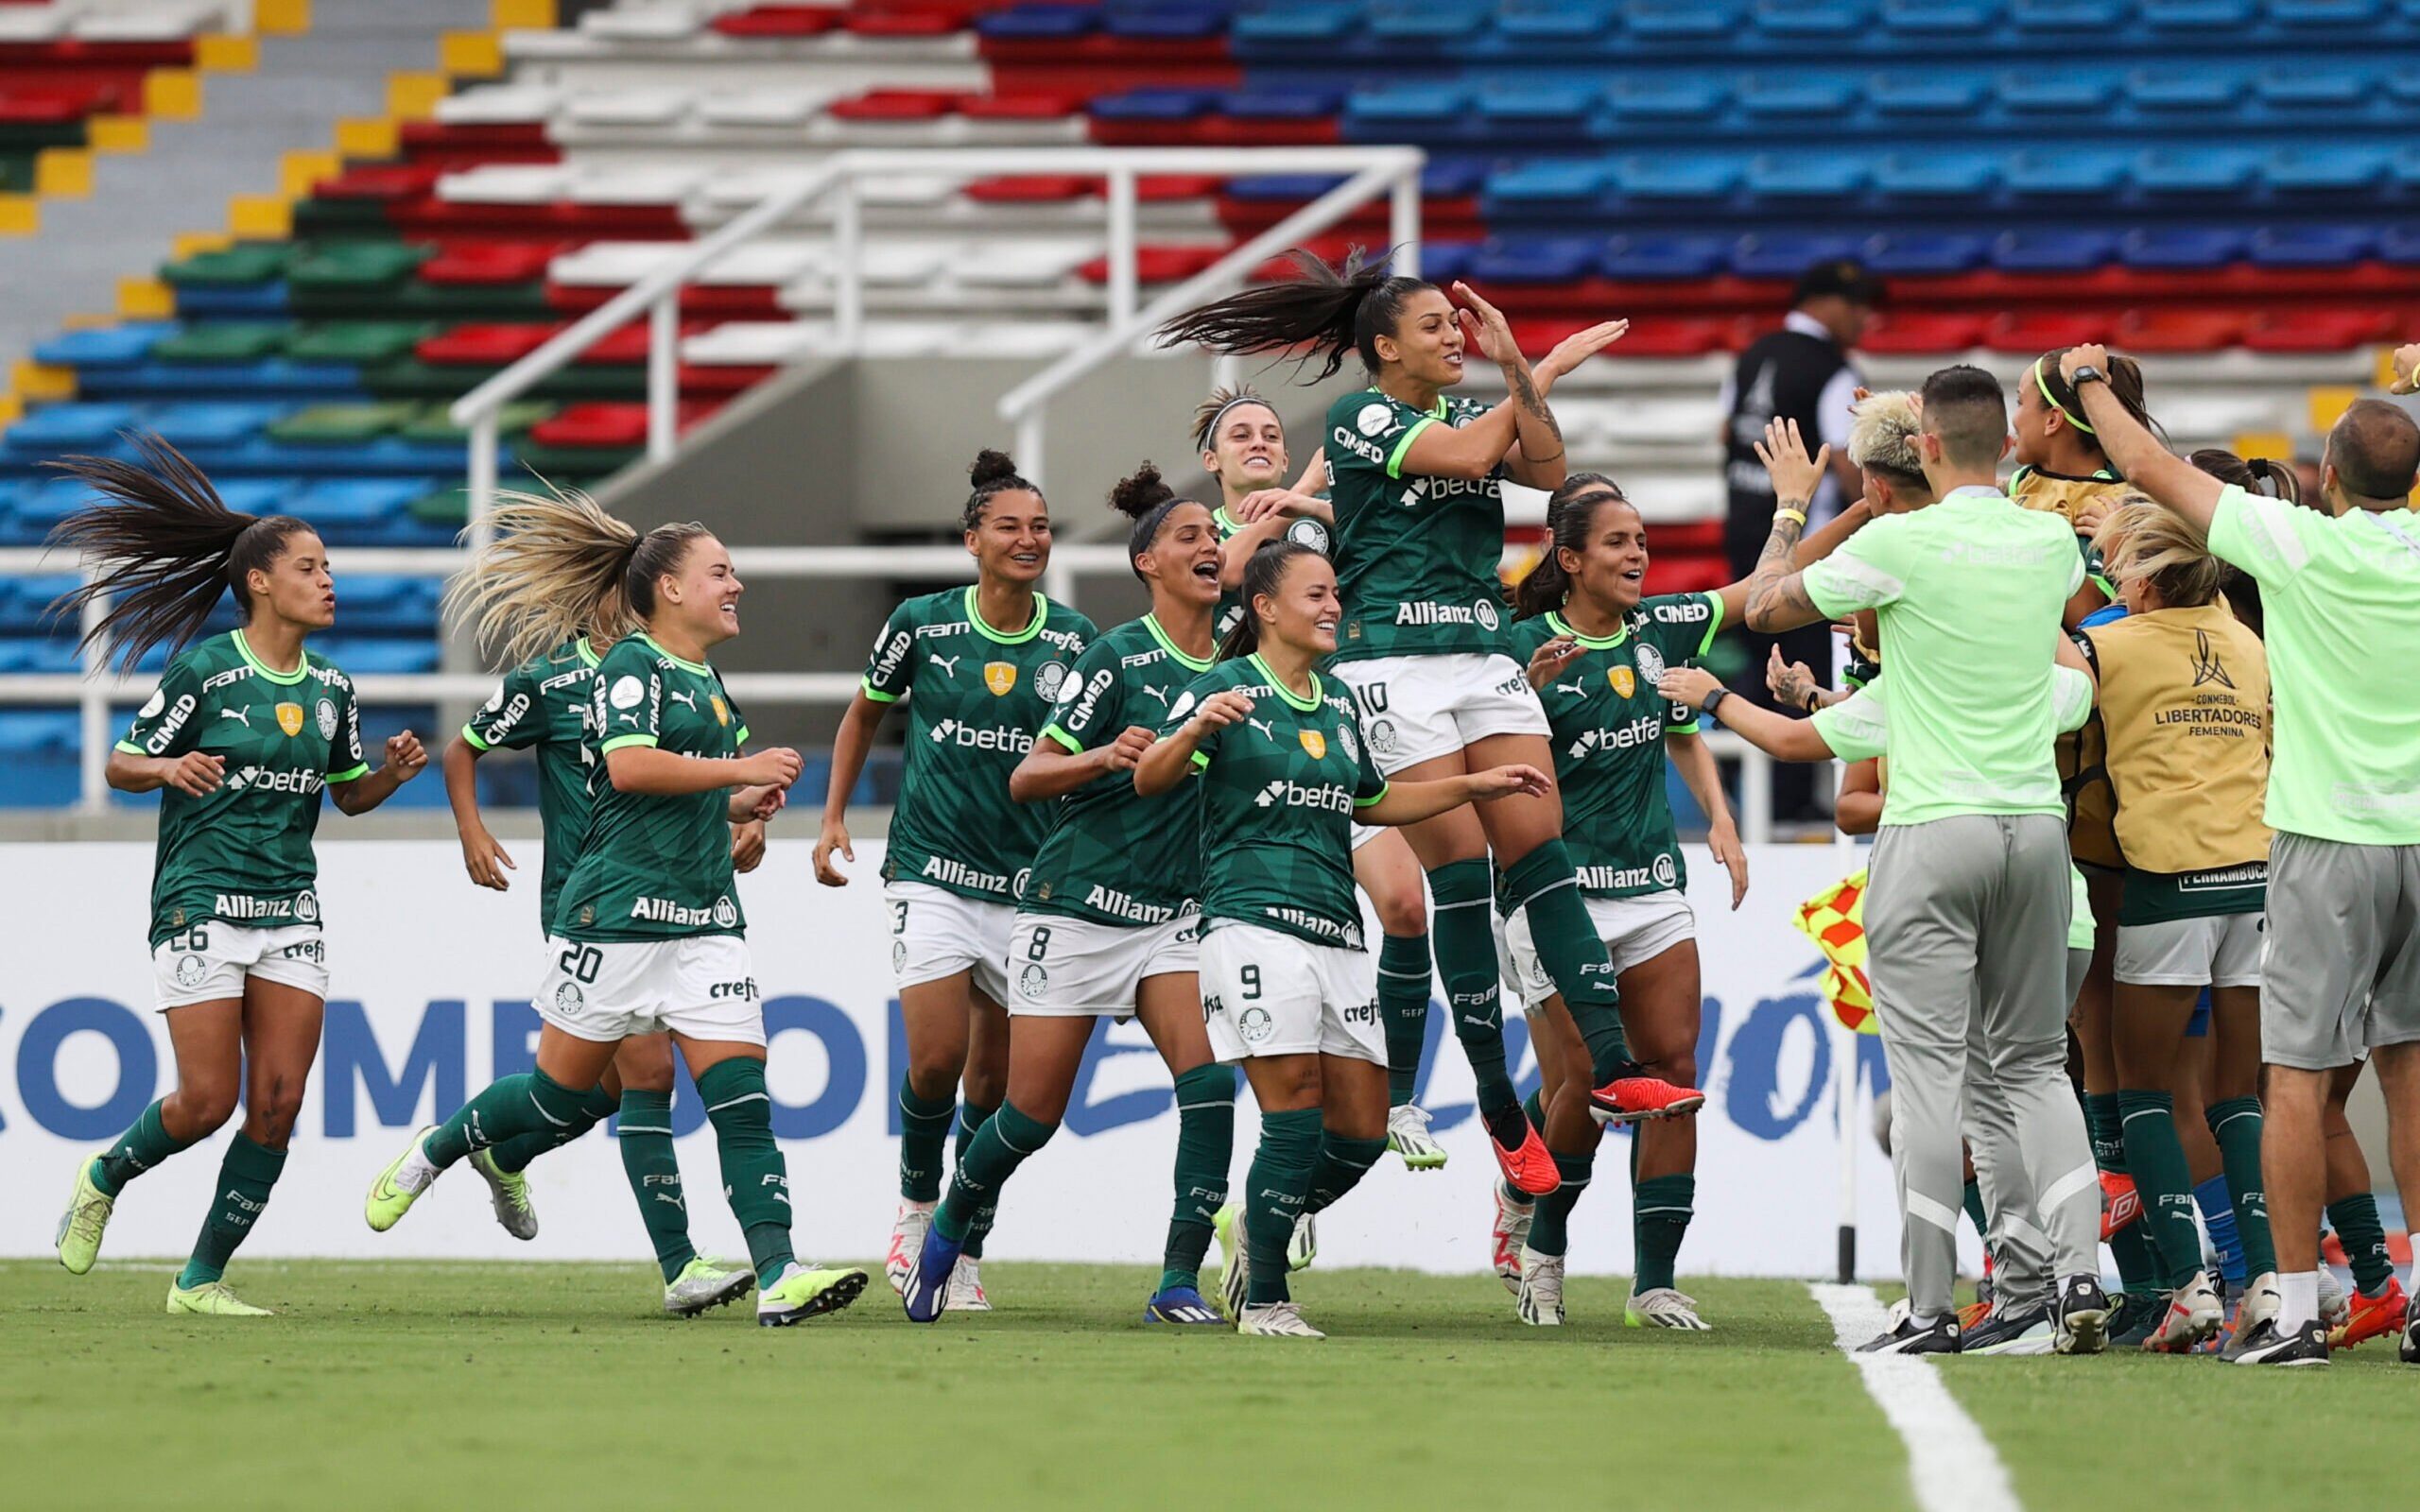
[1161, 694]
[1266, 727]
[243, 717]
[1577, 690]
[689, 699]
[949, 664]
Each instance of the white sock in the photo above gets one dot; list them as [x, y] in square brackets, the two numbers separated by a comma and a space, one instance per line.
[1924, 1320]
[2298, 1299]
[417, 1171]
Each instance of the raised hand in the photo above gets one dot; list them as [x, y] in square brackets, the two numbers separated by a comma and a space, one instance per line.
[405, 756]
[1789, 682]
[1795, 474]
[1485, 325]
[2407, 369]
[1577, 348]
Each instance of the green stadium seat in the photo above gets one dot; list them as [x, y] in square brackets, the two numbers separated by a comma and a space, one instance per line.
[224, 341]
[341, 425]
[244, 262]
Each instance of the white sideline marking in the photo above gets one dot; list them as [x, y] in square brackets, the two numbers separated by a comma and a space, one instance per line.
[1951, 1466]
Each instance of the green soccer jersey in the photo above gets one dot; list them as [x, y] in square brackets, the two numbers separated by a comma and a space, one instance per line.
[1279, 790]
[1416, 558]
[1305, 529]
[1109, 853]
[243, 855]
[1608, 730]
[653, 868]
[979, 695]
[547, 702]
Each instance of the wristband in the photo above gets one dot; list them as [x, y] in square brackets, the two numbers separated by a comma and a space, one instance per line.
[1793, 516]
[1810, 701]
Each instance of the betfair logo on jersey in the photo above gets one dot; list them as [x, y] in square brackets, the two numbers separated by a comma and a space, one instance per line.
[1423, 611]
[964, 736]
[1620, 737]
[262, 779]
[289, 718]
[999, 677]
[1314, 743]
[1326, 797]
[722, 913]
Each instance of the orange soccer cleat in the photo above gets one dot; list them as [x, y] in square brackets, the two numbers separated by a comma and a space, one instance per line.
[2372, 1317]
[1528, 1167]
[1633, 1095]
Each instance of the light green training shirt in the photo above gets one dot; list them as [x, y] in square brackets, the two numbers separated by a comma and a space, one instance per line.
[1969, 593]
[2340, 601]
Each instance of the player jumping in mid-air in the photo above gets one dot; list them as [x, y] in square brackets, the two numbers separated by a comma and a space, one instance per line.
[242, 735]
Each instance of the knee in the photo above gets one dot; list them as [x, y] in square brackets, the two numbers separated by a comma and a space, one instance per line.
[645, 1065]
[207, 1104]
[275, 1103]
[1403, 911]
[933, 1069]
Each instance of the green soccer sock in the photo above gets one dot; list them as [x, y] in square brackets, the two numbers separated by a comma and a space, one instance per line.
[1342, 1164]
[655, 1173]
[1660, 1208]
[923, 1130]
[756, 1179]
[1973, 1202]
[2138, 1264]
[597, 1105]
[1205, 1146]
[1403, 1008]
[1000, 1144]
[2236, 1124]
[1464, 941]
[137, 1150]
[1534, 1108]
[2157, 1159]
[2363, 1233]
[1542, 886]
[1276, 1188]
[245, 1177]
[971, 1119]
[1550, 1231]
[531, 1103]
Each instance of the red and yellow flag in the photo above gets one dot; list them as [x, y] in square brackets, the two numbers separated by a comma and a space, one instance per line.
[1834, 920]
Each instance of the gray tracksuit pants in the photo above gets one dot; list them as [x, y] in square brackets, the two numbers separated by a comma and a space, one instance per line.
[1966, 924]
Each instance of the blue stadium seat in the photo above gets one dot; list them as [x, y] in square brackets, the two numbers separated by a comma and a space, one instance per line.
[1942, 18]
[1677, 99]
[2312, 91]
[351, 508]
[193, 425]
[2074, 95]
[1663, 257]
[1924, 95]
[1787, 254]
[107, 346]
[1444, 262]
[2065, 175]
[1922, 252]
[2218, 16]
[1426, 23]
[2072, 17]
[1555, 23]
[1409, 106]
[1678, 176]
[1935, 175]
[1037, 22]
[2186, 90]
[48, 429]
[42, 503]
[1694, 21]
[43, 657]
[386, 604]
[24, 600]
[1806, 176]
[2194, 172]
[2312, 245]
[2400, 246]
[38, 766]
[363, 658]
[1813, 18]
[1533, 260]
[1154, 103]
[2182, 246]
[1541, 185]
[1295, 23]
[1288, 103]
[1789, 96]
[2317, 15]
[1166, 22]
[1554, 113]
[2052, 250]
[2325, 170]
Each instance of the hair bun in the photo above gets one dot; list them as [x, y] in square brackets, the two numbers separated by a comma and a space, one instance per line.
[990, 467]
[1140, 492]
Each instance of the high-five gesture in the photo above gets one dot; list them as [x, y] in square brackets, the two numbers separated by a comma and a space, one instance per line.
[1795, 474]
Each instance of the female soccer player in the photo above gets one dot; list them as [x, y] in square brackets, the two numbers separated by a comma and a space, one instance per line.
[648, 934]
[547, 702]
[1110, 924]
[1419, 534]
[1287, 989]
[985, 663]
[1242, 442]
[1594, 648]
[241, 735]
[2185, 706]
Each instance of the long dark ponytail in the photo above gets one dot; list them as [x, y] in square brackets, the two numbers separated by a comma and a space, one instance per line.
[1334, 311]
[1264, 574]
[1571, 513]
[161, 546]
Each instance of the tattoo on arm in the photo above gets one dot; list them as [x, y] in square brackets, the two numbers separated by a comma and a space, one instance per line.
[1533, 403]
[1773, 589]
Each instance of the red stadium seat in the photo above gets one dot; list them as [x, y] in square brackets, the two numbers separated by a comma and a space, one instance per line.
[778, 21]
[1923, 332]
[2184, 329]
[898, 105]
[2319, 329]
[2031, 336]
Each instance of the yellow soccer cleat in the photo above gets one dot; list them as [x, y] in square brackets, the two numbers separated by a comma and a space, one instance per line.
[81, 1224]
[804, 1291]
[391, 1199]
[210, 1299]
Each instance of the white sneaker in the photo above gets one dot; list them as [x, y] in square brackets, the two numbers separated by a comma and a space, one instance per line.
[1540, 1293]
[908, 1232]
[2193, 1314]
[1408, 1136]
[966, 1287]
[1510, 1236]
[1235, 1266]
[1303, 1244]
[2256, 1316]
[1664, 1307]
[1276, 1320]
[2335, 1298]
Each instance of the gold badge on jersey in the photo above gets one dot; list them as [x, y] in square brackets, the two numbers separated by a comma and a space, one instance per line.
[1624, 680]
[722, 709]
[289, 718]
[1316, 743]
[999, 677]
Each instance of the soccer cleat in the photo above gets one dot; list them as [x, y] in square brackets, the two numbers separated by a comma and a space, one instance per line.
[80, 1226]
[1528, 1167]
[2082, 1317]
[210, 1299]
[2335, 1302]
[1541, 1294]
[906, 1238]
[1512, 1232]
[2306, 1345]
[1408, 1136]
[804, 1292]
[1303, 1244]
[1182, 1305]
[510, 1192]
[1908, 1337]
[2133, 1315]
[2120, 1204]
[2193, 1314]
[702, 1284]
[1235, 1266]
[2407, 1347]
[926, 1292]
[1276, 1320]
[2256, 1316]
[389, 1198]
[1633, 1095]
[966, 1293]
[2022, 1332]
[1664, 1308]
[2366, 1317]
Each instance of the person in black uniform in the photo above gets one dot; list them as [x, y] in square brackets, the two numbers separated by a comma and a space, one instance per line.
[1803, 372]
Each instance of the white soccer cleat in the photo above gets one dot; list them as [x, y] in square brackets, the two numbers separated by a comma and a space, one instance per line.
[908, 1232]
[1408, 1136]
[1235, 1266]
[2193, 1314]
[702, 1284]
[1664, 1307]
[1510, 1234]
[1540, 1293]
[1276, 1320]
[2255, 1317]
[966, 1287]
[509, 1193]
[1303, 1244]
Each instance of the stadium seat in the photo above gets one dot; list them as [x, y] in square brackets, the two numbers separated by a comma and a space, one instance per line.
[2315, 246]
[2182, 246]
[2318, 330]
[2179, 330]
[2030, 335]
[1926, 253]
[1786, 255]
[1922, 331]
[1664, 257]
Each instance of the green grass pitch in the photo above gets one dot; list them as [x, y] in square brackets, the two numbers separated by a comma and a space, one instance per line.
[477, 1386]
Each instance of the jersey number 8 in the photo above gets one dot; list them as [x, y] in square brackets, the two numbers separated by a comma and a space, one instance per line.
[1040, 944]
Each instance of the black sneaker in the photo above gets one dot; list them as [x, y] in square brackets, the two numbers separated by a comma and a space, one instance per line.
[2084, 1317]
[1942, 1338]
[2132, 1316]
[2409, 1346]
[2306, 1345]
[2028, 1332]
